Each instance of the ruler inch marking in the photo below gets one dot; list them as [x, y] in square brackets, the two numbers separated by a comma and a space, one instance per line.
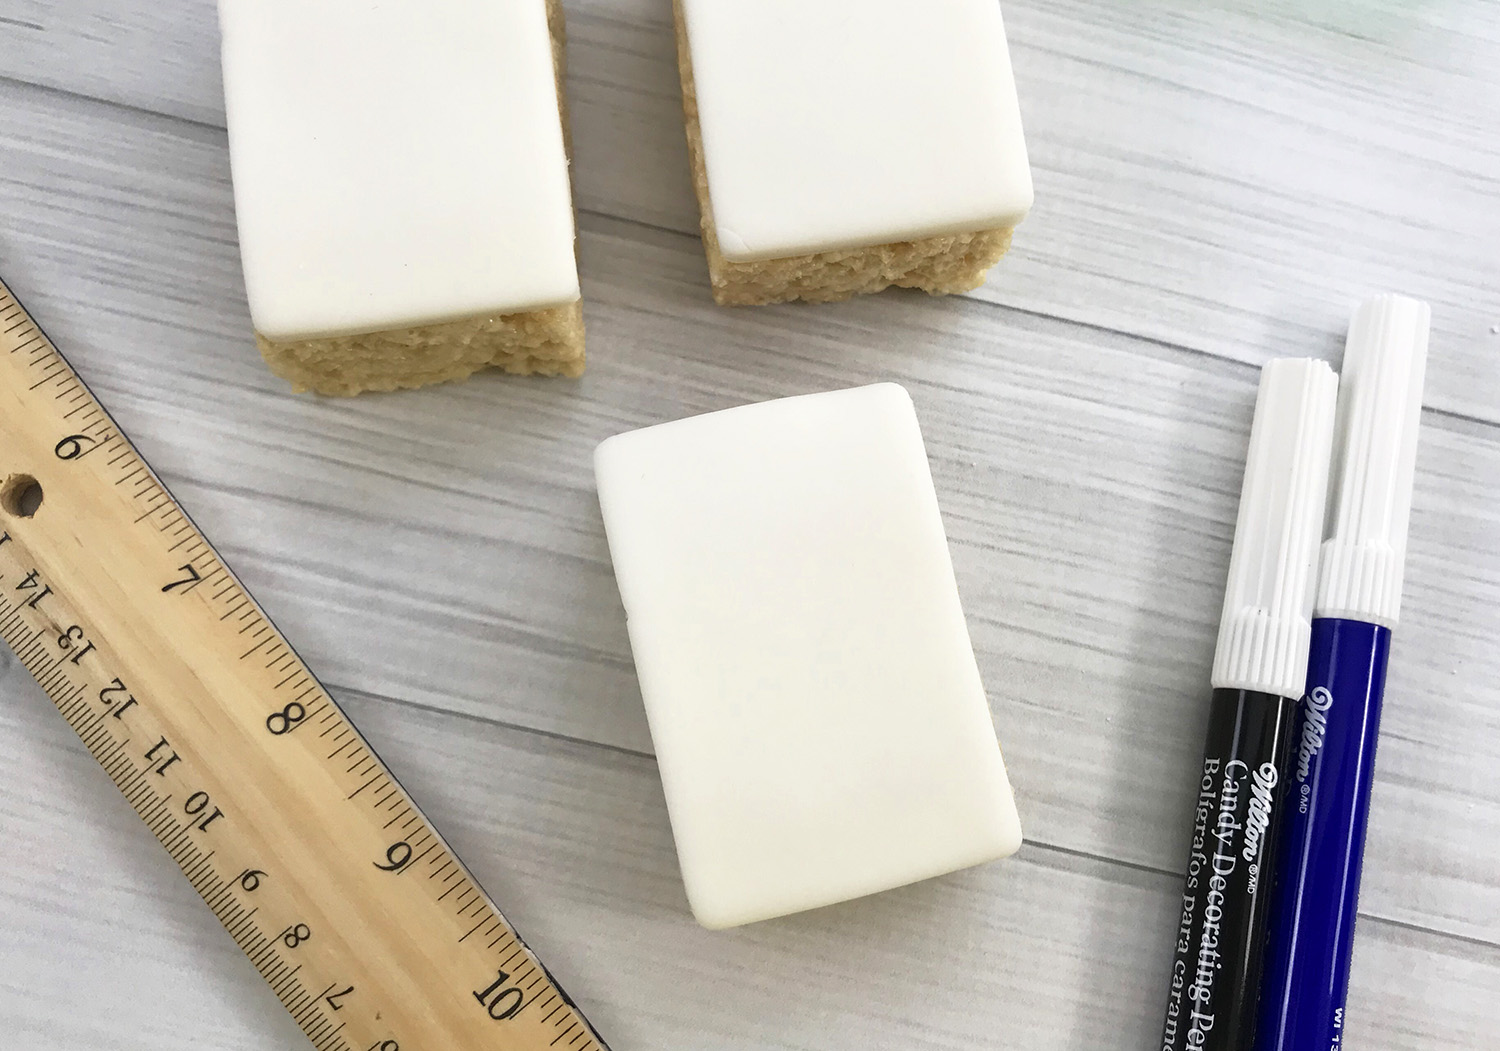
[257, 646]
[261, 823]
[364, 786]
[146, 514]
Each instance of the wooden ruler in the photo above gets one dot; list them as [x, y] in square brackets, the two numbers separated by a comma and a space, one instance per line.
[356, 913]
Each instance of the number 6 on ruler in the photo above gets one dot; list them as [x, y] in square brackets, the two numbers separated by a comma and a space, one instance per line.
[264, 794]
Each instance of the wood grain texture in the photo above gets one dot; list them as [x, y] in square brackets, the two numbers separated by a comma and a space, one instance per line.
[1214, 188]
[1048, 950]
[1229, 177]
[277, 812]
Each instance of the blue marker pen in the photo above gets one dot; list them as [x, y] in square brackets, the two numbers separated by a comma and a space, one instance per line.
[1306, 978]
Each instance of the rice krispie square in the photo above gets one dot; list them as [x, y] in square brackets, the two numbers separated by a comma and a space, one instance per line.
[843, 146]
[401, 187]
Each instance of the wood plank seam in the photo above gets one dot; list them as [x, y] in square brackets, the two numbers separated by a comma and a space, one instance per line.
[1172, 875]
[692, 234]
[1463, 426]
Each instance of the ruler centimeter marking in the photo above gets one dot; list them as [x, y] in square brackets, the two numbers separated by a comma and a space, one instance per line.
[353, 909]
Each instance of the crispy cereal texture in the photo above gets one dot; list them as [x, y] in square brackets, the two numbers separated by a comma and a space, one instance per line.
[938, 265]
[546, 342]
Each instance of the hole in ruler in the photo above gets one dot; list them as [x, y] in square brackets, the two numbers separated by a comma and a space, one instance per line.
[21, 496]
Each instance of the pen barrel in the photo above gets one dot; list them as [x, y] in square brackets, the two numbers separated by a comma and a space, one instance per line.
[1322, 845]
[1216, 968]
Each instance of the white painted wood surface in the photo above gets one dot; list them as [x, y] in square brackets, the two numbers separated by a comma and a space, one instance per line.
[1216, 184]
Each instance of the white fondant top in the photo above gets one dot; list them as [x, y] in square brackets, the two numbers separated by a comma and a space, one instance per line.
[847, 123]
[395, 162]
[819, 721]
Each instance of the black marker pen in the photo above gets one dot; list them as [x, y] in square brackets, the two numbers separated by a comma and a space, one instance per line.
[1259, 669]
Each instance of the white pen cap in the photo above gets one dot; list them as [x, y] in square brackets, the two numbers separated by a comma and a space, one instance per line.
[1267, 623]
[1375, 456]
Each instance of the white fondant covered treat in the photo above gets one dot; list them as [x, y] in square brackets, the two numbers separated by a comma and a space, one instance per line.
[843, 146]
[817, 711]
[401, 186]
